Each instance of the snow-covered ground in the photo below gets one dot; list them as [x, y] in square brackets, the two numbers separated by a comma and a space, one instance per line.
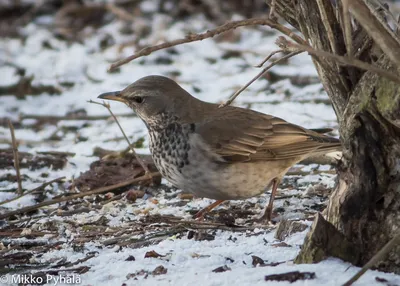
[210, 71]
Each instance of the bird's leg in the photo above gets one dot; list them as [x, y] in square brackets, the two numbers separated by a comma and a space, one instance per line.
[268, 210]
[200, 214]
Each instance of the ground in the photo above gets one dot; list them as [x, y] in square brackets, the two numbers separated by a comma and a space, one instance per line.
[149, 235]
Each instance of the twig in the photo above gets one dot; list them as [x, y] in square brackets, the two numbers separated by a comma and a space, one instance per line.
[56, 153]
[272, 9]
[385, 8]
[89, 255]
[377, 257]
[106, 105]
[71, 117]
[31, 191]
[282, 42]
[347, 28]
[232, 98]
[76, 196]
[327, 24]
[268, 57]
[16, 157]
[382, 35]
[209, 34]
[121, 13]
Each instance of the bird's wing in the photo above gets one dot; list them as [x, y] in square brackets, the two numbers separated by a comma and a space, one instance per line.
[238, 135]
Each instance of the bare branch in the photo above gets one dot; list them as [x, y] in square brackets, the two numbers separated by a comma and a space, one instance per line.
[16, 157]
[327, 24]
[282, 42]
[209, 34]
[232, 98]
[385, 8]
[347, 28]
[381, 34]
[121, 13]
[76, 196]
[272, 9]
[71, 117]
[268, 57]
[31, 191]
[126, 137]
[377, 257]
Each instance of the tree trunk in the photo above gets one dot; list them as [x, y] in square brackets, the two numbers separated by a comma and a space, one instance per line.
[365, 206]
[366, 203]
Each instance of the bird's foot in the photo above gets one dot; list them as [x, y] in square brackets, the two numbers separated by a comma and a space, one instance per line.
[267, 217]
[199, 216]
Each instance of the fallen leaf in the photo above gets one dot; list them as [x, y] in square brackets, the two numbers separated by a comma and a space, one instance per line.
[221, 269]
[152, 254]
[159, 270]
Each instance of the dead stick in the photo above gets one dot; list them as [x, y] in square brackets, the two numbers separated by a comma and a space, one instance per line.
[16, 157]
[209, 34]
[327, 24]
[347, 28]
[377, 257]
[379, 31]
[268, 57]
[106, 105]
[344, 60]
[76, 196]
[233, 97]
[121, 13]
[33, 190]
[71, 117]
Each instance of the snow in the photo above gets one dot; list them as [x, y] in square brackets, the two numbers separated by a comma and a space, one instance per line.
[188, 261]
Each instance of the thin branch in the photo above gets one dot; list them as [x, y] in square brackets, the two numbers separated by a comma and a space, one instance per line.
[282, 43]
[31, 191]
[76, 196]
[233, 97]
[347, 28]
[328, 28]
[377, 257]
[382, 35]
[121, 13]
[16, 157]
[268, 57]
[71, 117]
[209, 34]
[272, 9]
[385, 8]
[106, 105]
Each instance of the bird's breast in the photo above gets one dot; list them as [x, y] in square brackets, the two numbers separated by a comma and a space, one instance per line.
[170, 151]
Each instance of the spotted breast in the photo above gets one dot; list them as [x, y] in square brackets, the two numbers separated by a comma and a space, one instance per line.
[170, 148]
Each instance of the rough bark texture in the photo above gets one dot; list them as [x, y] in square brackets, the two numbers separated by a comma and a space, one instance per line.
[325, 240]
[366, 203]
[365, 206]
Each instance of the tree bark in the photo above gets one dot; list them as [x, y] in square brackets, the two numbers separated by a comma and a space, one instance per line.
[365, 206]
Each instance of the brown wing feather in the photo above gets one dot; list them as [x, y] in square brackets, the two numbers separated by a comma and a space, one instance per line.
[241, 135]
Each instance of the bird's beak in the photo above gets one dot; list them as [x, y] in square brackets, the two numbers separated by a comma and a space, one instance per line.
[114, 95]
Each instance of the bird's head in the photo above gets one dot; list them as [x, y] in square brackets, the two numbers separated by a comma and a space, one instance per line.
[152, 97]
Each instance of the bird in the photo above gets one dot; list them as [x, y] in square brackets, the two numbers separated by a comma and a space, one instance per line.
[228, 153]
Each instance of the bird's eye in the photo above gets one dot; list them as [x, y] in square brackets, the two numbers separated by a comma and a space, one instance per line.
[138, 99]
